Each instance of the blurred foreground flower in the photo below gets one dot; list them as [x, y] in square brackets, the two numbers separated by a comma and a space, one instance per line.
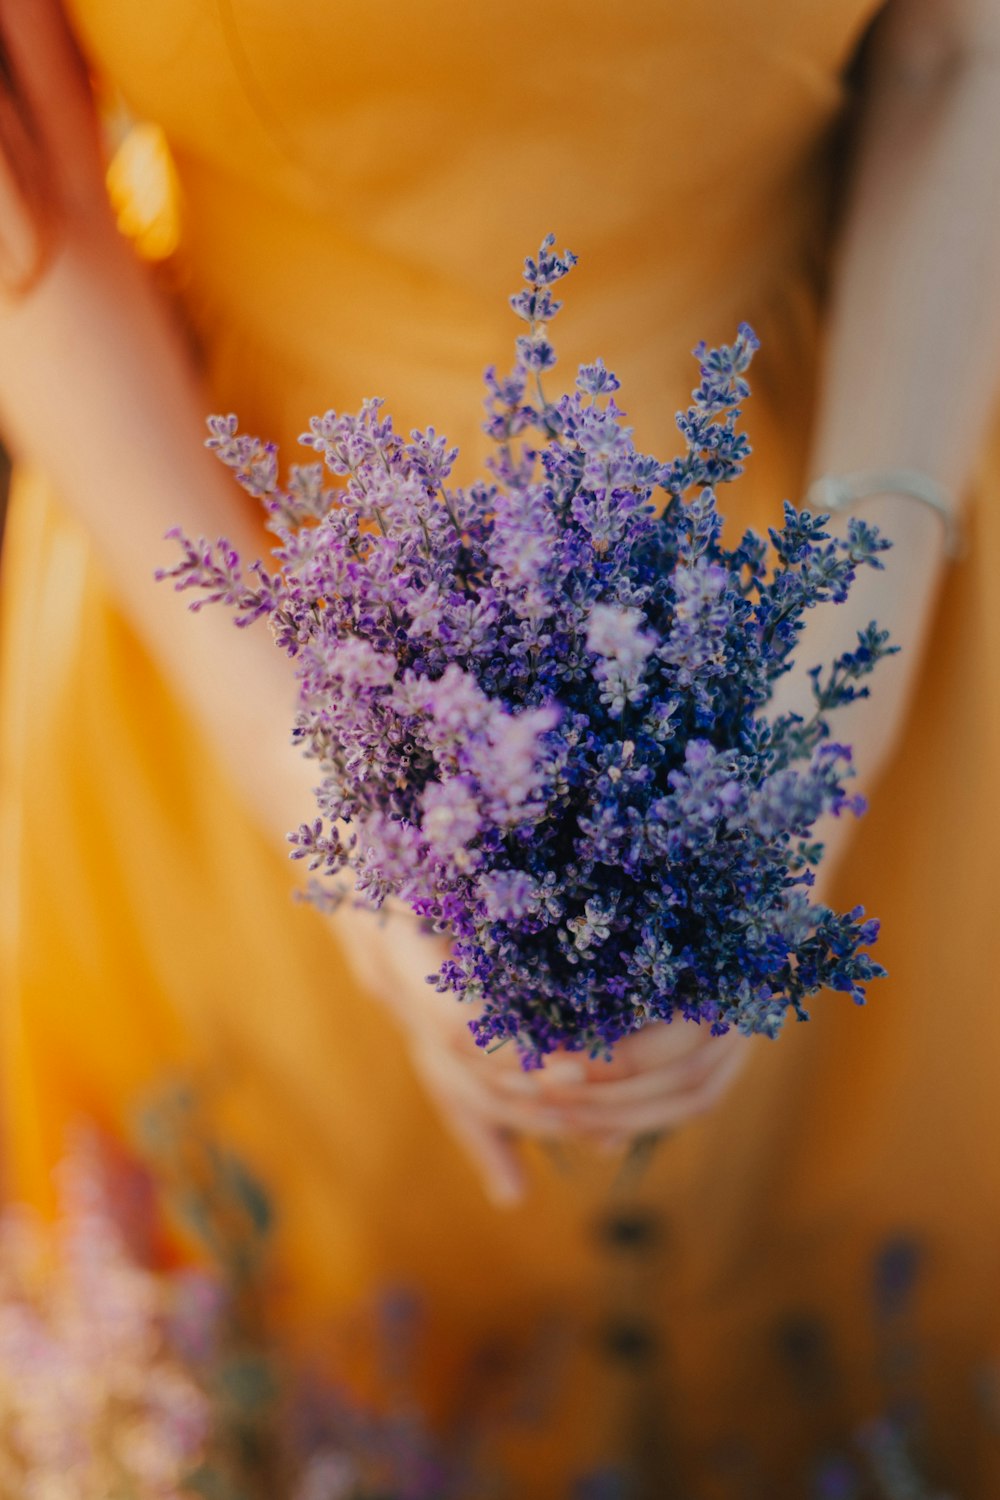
[125, 1375]
[97, 1396]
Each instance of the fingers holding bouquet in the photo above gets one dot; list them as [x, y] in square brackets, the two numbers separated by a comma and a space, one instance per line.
[391, 956]
[659, 1078]
[655, 1080]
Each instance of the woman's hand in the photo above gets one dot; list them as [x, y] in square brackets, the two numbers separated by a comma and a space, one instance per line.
[99, 392]
[391, 958]
[658, 1079]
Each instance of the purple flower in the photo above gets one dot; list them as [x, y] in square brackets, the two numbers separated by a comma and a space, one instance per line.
[451, 818]
[536, 702]
[507, 894]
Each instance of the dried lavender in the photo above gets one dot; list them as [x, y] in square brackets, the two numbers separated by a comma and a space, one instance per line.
[97, 1396]
[536, 702]
[125, 1376]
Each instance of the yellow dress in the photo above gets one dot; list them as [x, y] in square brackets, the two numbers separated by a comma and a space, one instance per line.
[359, 186]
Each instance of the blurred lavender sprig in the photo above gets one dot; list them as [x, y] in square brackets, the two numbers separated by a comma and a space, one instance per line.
[98, 1392]
[127, 1376]
[536, 701]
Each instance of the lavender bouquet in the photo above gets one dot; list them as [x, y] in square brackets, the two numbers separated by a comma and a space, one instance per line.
[536, 702]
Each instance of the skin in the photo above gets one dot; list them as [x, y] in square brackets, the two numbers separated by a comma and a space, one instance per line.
[911, 373]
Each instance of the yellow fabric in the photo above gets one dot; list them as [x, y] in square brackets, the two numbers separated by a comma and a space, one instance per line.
[359, 187]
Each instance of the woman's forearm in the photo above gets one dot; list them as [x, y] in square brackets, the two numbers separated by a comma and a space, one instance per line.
[911, 364]
[96, 389]
[912, 360]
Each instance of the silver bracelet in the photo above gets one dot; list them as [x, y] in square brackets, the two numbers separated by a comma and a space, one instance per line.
[835, 492]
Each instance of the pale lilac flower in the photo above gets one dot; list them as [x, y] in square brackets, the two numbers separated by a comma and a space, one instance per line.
[451, 817]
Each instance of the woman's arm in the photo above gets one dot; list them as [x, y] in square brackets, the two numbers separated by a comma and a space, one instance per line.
[911, 370]
[910, 379]
[97, 390]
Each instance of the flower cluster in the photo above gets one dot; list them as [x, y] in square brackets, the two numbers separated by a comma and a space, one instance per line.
[537, 701]
[138, 1360]
[98, 1393]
